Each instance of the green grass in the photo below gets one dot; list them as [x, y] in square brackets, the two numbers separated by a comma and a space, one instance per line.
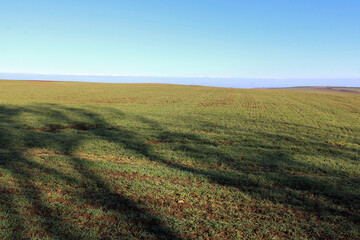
[152, 161]
[346, 90]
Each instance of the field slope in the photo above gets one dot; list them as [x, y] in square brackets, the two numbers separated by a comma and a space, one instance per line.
[151, 161]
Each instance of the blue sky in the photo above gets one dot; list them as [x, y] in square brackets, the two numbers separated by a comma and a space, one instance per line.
[265, 39]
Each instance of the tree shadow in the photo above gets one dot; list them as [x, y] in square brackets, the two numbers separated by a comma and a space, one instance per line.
[15, 139]
[258, 167]
[271, 164]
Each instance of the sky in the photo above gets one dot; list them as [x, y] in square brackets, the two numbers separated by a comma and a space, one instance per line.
[252, 39]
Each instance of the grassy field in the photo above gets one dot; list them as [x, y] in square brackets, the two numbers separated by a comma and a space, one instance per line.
[151, 161]
[347, 90]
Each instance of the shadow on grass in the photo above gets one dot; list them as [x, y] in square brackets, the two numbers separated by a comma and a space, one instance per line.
[266, 174]
[14, 141]
[252, 163]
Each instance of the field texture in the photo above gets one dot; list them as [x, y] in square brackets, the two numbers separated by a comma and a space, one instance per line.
[347, 90]
[149, 161]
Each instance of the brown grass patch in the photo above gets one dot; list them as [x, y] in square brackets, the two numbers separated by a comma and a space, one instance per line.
[155, 142]
[229, 100]
[118, 160]
[224, 142]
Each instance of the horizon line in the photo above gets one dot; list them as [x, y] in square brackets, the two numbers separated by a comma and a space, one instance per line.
[186, 76]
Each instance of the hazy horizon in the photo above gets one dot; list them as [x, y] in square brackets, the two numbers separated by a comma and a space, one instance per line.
[231, 82]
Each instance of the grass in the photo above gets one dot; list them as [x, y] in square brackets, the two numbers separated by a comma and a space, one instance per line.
[152, 161]
[346, 90]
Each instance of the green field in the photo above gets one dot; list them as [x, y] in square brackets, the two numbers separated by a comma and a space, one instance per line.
[155, 161]
[347, 90]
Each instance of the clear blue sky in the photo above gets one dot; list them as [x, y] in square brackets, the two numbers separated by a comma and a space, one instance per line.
[268, 38]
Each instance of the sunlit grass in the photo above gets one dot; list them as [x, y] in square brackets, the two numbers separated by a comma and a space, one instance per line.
[86, 160]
